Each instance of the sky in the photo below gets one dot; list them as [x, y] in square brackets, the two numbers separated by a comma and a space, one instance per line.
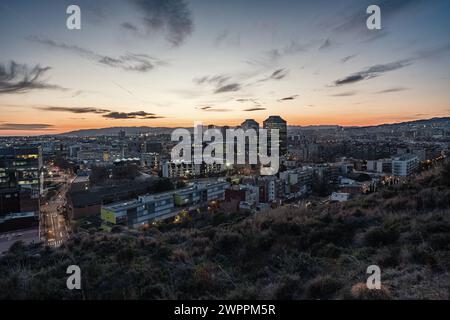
[175, 62]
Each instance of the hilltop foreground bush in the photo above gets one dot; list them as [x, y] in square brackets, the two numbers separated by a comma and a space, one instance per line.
[318, 253]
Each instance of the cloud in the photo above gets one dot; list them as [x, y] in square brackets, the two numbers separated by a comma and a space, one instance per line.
[373, 72]
[25, 127]
[131, 115]
[245, 100]
[221, 83]
[344, 94]
[347, 58]
[225, 37]
[254, 109]
[433, 52]
[127, 62]
[211, 109]
[295, 47]
[276, 75]
[73, 110]
[279, 74]
[228, 88]
[215, 80]
[390, 90]
[106, 113]
[289, 98]
[326, 44]
[19, 78]
[170, 16]
[267, 60]
[221, 37]
[129, 26]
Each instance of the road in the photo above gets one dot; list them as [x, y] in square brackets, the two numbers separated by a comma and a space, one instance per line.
[8, 239]
[54, 226]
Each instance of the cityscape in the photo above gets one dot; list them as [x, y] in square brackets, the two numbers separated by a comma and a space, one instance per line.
[88, 183]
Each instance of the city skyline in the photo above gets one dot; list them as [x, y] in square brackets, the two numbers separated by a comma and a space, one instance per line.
[138, 63]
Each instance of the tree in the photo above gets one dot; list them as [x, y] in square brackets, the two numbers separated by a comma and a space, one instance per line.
[445, 174]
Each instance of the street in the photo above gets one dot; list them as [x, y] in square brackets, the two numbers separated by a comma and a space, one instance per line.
[54, 228]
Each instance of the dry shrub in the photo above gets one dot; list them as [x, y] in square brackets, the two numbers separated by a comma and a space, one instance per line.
[323, 287]
[360, 292]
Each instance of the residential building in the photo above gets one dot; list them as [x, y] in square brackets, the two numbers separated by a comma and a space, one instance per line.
[277, 123]
[405, 165]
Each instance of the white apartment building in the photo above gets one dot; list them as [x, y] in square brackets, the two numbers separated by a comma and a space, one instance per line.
[405, 165]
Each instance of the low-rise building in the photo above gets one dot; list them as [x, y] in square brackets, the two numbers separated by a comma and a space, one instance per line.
[405, 165]
[151, 207]
[340, 196]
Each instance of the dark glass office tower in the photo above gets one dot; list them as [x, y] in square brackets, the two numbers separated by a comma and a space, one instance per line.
[276, 122]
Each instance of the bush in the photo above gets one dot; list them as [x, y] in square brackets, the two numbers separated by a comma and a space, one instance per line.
[379, 236]
[445, 174]
[289, 288]
[360, 292]
[228, 241]
[424, 257]
[322, 287]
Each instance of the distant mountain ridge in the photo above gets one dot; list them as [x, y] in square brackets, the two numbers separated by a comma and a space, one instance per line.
[144, 129]
[115, 131]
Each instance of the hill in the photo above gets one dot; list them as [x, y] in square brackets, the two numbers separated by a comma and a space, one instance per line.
[115, 131]
[159, 130]
[321, 252]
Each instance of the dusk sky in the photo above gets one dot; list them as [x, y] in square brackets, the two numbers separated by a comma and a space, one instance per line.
[173, 62]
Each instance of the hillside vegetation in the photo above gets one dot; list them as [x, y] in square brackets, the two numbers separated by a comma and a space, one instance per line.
[316, 253]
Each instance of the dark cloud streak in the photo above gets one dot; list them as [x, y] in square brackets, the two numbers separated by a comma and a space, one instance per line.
[373, 72]
[106, 113]
[128, 62]
[19, 78]
[171, 16]
[25, 127]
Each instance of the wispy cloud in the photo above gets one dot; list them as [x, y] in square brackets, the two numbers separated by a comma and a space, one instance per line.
[347, 58]
[129, 26]
[276, 75]
[127, 62]
[222, 83]
[25, 127]
[289, 98]
[232, 87]
[344, 94]
[326, 44]
[73, 110]
[254, 109]
[391, 90]
[433, 52]
[295, 47]
[373, 72]
[212, 109]
[132, 115]
[173, 17]
[106, 113]
[255, 102]
[214, 80]
[19, 78]
[227, 38]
